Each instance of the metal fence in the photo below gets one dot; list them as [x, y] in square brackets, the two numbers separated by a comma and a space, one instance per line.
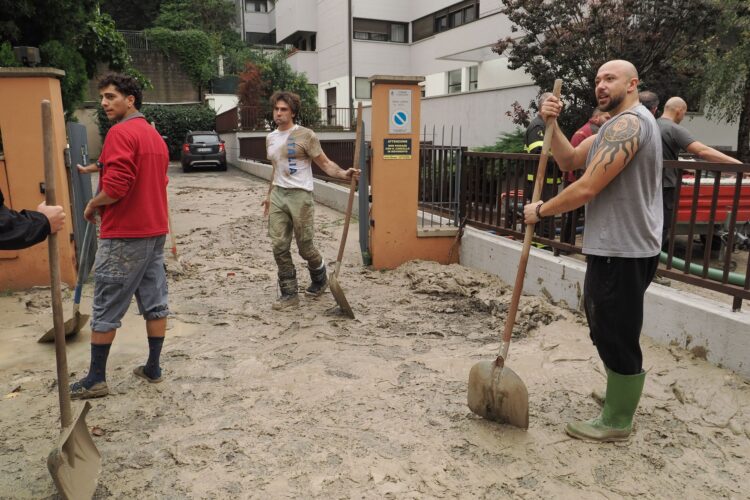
[709, 234]
[135, 40]
[439, 178]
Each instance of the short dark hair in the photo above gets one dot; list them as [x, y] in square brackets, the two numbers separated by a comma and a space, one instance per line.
[649, 99]
[290, 98]
[125, 84]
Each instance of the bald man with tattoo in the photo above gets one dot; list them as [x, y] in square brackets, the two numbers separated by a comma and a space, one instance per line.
[621, 188]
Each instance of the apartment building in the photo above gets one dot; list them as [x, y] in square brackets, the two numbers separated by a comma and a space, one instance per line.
[446, 41]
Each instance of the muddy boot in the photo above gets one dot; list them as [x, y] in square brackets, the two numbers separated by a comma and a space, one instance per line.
[289, 297]
[319, 281]
[615, 422]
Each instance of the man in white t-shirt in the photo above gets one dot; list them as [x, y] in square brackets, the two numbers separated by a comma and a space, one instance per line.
[289, 203]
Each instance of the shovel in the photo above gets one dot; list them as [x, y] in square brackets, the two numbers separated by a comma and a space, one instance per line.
[333, 279]
[74, 462]
[496, 392]
[78, 321]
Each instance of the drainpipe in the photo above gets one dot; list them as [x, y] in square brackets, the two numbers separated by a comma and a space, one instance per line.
[351, 89]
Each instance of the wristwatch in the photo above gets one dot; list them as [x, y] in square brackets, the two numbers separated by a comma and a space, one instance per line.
[537, 211]
[99, 165]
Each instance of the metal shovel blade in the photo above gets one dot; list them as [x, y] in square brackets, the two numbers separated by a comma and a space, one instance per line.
[498, 393]
[75, 463]
[338, 294]
[72, 326]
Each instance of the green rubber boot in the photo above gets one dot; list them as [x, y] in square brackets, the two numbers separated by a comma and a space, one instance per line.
[615, 422]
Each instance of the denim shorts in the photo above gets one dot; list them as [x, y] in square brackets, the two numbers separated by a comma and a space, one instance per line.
[125, 267]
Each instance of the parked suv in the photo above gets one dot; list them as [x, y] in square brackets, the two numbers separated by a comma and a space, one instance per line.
[203, 149]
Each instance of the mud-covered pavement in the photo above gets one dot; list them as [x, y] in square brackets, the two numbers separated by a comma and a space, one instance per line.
[306, 403]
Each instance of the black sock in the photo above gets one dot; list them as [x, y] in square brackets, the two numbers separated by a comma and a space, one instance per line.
[98, 368]
[152, 368]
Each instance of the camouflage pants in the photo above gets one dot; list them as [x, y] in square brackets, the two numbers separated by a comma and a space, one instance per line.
[292, 212]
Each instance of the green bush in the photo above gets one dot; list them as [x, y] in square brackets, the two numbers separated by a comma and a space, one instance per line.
[193, 49]
[171, 121]
[7, 58]
[507, 142]
[73, 84]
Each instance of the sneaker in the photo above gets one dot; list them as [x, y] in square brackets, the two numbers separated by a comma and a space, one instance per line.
[140, 371]
[78, 391]
[285, 302]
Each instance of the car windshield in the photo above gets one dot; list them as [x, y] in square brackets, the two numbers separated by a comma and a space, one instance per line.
[203, 139]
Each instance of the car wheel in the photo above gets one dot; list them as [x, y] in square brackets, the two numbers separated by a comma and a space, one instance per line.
[223, 167]
[187, 168]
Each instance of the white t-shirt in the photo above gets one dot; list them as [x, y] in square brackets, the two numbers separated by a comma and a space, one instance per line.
[291, 152]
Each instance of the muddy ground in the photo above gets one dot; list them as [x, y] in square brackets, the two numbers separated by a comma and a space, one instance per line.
[306, 403]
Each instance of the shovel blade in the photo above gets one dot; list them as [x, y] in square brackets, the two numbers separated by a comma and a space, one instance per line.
[72, 326]
[498, 393]
[75, 463]
[338, 294]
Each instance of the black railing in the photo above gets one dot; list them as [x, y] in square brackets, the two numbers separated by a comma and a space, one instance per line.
[709, 234]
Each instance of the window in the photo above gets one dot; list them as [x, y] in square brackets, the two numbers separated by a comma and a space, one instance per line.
[398, 32]
[381, 31]
[255, 5]
[362, 88]
[473, 77]
[454, 81]
[445, 19]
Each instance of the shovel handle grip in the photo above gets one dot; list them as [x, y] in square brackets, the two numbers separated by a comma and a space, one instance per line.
[538, 182]
[66, 416]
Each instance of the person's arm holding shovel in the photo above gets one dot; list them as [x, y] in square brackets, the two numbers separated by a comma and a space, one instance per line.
[614, 152]
[331, 168]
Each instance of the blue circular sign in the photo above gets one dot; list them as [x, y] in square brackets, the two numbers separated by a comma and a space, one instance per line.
[399, 118]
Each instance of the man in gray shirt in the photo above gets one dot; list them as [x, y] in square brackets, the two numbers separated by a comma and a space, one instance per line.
[675, 138]
[621, 188]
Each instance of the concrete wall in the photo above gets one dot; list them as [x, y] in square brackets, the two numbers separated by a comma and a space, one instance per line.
[170, 82]
[670, 316]
[298, 15]
[305, 62]
[87, 117]
[221, 102]
[480, 114]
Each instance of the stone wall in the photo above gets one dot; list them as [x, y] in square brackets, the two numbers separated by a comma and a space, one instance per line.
[171, 84]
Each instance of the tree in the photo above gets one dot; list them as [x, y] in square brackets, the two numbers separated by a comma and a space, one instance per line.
[278, 75]
[134, 15]
[72, 35]
[571, 41]
[727, 91]
[212, 16]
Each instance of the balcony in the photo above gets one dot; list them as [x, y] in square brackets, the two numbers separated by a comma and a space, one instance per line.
[304, 62]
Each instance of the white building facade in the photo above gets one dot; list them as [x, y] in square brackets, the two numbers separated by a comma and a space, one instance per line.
[446, 41]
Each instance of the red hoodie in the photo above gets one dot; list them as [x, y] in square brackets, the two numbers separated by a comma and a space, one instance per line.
[135, 160]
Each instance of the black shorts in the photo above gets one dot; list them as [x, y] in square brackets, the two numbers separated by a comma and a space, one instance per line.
[613, 293]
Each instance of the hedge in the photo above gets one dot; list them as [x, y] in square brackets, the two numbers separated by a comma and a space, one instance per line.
[173, 121]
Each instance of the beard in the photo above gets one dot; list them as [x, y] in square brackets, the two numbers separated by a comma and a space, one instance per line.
[614, 102]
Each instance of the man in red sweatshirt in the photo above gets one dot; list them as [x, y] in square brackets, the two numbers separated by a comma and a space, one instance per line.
[132, 203]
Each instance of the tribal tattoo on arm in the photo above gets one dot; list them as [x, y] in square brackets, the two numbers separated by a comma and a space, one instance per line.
[623, 135]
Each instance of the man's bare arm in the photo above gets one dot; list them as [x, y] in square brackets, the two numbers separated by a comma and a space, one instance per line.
[567, 157]
[331, 168]
[615, 151]
[709, 154]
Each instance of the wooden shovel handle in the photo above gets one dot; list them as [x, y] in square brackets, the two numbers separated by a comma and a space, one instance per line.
[538, 182]
[352, 187]
[66, 416]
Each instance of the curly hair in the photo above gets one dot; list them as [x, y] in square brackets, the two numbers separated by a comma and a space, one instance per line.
[290, 98]
[126, 85]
